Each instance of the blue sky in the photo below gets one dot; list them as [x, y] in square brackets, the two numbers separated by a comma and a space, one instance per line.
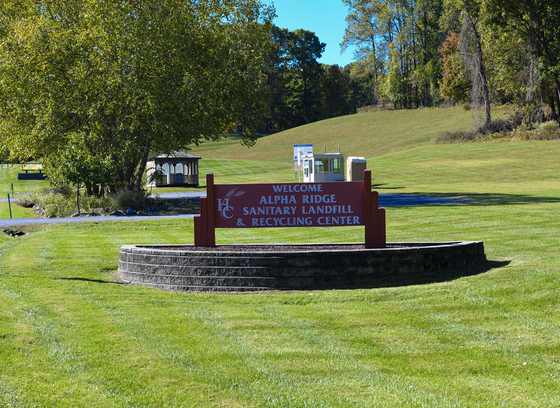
[326, 18]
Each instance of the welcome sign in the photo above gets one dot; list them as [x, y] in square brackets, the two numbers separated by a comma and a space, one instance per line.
[328, 204]
[289, 205]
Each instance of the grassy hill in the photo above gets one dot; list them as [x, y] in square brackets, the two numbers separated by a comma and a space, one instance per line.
[399, 150]
[369, 135]
[71, 334]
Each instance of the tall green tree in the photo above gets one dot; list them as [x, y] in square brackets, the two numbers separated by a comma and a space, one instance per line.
[364, 31]
[333, 93]
[127, 78]
[539, 23]
[294, 78]
[402, 32]
[304, 51]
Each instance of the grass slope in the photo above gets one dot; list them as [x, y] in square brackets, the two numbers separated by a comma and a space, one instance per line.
[72, 335]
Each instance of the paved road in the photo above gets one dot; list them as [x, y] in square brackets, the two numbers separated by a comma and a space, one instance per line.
[385, 200]
[26, 221]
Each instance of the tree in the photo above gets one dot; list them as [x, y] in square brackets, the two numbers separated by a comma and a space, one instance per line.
[455, 83]
[539, 23]
[512, 68]
[334, 88]
[304, 49]
[294, 79]
[365, 31]
[470, 46]
[411, 28]
[394, 83]
[127, 78]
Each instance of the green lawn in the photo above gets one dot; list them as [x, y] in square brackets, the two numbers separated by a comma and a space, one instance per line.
[72, 335]
[17, 211]
[9, 177]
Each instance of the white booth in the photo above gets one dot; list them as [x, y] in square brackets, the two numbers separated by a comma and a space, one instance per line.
[319, 168]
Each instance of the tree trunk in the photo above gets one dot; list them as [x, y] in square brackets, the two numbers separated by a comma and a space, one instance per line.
[557, 95]
[482, 73]
[141, 168]
[78, 197]
[475, 62]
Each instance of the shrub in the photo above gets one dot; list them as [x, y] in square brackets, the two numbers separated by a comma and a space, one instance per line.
[27, 201]
[60, 201]
[548, 131]
[496, 126]
[129, 199]
[50, 202]
[458, 136]
[66, 191]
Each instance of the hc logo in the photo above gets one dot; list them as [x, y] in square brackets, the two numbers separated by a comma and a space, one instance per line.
[224, 207]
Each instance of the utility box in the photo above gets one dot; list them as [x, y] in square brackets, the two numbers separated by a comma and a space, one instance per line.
[355, 167]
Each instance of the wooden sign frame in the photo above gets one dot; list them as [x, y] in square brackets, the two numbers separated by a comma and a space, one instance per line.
[369, 214]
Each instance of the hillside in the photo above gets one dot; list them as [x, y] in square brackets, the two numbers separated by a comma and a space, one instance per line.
[399, 149]
[364, 134]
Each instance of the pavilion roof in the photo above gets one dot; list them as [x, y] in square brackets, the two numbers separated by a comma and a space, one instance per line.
[175, 155]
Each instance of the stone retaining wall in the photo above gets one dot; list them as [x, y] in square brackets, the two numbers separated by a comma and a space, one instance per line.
[199, 270]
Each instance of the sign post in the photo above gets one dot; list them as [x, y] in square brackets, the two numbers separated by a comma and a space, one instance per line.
[10, 205]
[290, 205]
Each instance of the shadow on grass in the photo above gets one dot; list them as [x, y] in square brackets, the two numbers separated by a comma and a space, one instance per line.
[380, 187]
[439, 276]
[490, 199]
[92, 280]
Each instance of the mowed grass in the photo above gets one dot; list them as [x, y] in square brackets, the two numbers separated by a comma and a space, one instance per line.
[71, 334]
[9, 177]
[16, 211]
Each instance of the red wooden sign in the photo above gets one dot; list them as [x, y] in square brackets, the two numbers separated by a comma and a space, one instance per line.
[290, 205]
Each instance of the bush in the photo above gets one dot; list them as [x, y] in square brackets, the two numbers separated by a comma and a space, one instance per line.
[458, 136]
[66, 191]
[136, 200]
[50, 202]
[496, 126]
[548, 130]
[61, 201]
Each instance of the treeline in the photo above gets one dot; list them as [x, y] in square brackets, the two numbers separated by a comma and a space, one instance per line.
[421, 52]
[301, 90]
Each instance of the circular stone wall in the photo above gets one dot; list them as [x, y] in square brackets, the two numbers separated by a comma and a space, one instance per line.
[282, 267]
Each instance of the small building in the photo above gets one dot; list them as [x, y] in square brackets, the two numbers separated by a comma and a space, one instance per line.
[178, 169]
[319, 168]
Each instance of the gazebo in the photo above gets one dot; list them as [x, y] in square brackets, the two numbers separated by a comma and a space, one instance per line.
[176, 169]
